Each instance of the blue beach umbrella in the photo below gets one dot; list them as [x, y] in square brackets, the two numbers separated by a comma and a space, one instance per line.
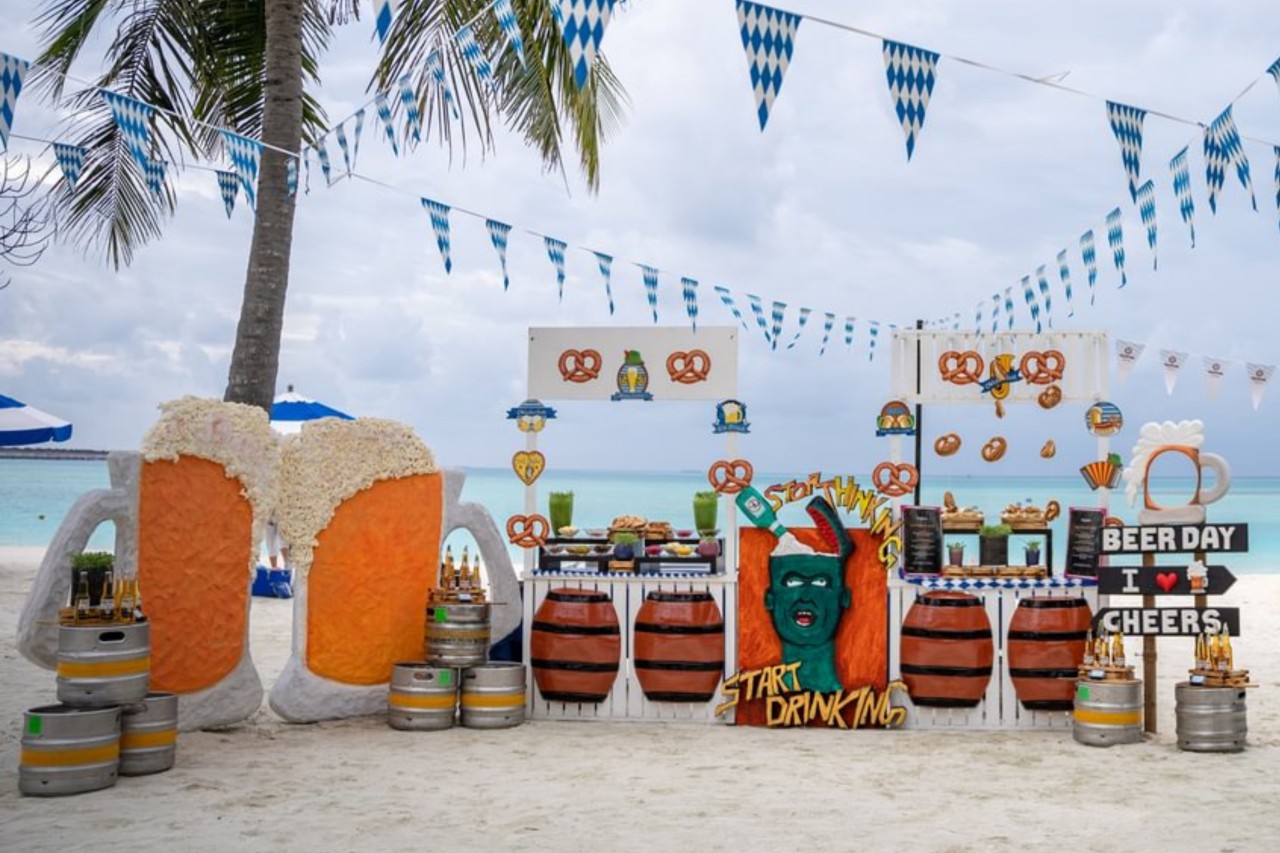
[290, 410]
[21, 424]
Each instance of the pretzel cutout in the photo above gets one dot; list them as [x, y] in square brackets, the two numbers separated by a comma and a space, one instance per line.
[730, 476]
[1050, 397]
[1049, 450]
[947, 445]
[960, 368]
[528, 531]
[580, 366]
[895, 479]
[1113, 521]
[1043, 368]
[994, 449]
[688, 368]
[1052, 510]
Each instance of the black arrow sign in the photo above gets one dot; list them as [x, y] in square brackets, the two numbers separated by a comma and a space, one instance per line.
[1166, 621]
[1160, 580]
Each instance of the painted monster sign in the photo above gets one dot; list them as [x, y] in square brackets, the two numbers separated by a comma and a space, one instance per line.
[812, 616]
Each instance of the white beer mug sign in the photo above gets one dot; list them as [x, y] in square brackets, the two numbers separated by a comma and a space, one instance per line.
[1182, 438]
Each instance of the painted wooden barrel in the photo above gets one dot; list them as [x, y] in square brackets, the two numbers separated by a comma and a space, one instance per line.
[423, 697]
[68, 750]
[678, 646]
[149, 735]
[457, 635]
[575, 646]
[1044, 648]
[946, 650]
[493, 696]
[1210, 719]
[1106, 713]
[107, 665]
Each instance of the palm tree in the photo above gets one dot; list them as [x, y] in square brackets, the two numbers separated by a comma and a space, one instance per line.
[250, 66]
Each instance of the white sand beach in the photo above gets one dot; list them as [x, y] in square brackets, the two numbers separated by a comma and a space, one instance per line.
[359, 785]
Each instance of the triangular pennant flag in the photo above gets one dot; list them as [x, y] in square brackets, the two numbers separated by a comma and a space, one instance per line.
[555, 251]
[291, 176]
[955, 321]
[12, 72]
[779, 309]
[727, 298]
[1127, 355]
[244, 155]
[498, 233]
[306, 169]
[1045, 297]
[828, 321]
[436, 66]
[384, 113]
[977, 319]
[606, 272]
[848, 331]
[1126, 124]
[1259, 376]
[1182, 189]
[1274, 71]
[71, 159]
[1277, 150]
[690, 291]
[769, 37]
[995, 312]
[1171, 361]
[155, 176]
[1008, 305]
[1033, 305]
[758, 310]
[1147, 209]
[1089, 254]
[133, 119]
[1115, 239]
[322, 153]
[355, 136]
[911, 72]
[874, 329]
[800, 322]
[651, 288]
[472, 52]
[582, 24]
[1064, 273]
[410, 101]
[384, 12]
[228, 185]
[1214, 370]
[1222, 148]
[341, 134]
[510, 27]
[439, 214]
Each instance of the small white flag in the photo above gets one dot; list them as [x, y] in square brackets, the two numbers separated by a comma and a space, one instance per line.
[1259, 376]
[1127, 355]
[1214, 370]
[1171, 361]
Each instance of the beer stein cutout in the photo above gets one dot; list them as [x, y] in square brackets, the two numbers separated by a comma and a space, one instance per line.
[1183, 439]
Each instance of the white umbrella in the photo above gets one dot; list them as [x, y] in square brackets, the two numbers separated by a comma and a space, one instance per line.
[22, 424]
[290, 410]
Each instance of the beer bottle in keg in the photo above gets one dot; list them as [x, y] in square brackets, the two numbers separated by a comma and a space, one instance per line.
[1117, 649]
[1202, 651]
[1088, 649]
[138, 615]
[1213, 651]
[446, 569]
[82, 597]
[1226, 660]
[127, 586]
[464, 571]
[107, 604]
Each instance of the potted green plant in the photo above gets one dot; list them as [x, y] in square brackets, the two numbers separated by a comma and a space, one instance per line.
[705, 507]
[624, 545]
[559, 510]
[993, 544]
[1032, 548]
[88, 575]
[955, 553]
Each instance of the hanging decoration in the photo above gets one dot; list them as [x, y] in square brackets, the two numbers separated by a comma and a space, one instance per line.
[528, 465]
[412, 116]
[355, 136]
[800, 322]
[133, 119]
[977, 319]
[911, 73]
[1033, 304]
[244, 154]
[1277, 150]
[1064, 275]
[1103, 419]
[650, 276]
[758, 310]
[510, 28]
[1089, 254]
[439, 214]
[1008, 306]
[306, 168]
[1274, 71]
[1171, 361]
[555, 251]
[582, 25]
[1259, 376]
[1045, 296]
[1214, 370]
[776, 315]
[727, 298]
[828, 321]
[1127, 355]
[531, 415]
[291, 176]
[995, 312]
[1222, 149]
[12, 72]
[848, 331]
[155, 176]
[1147, 209]
[606, 272]
[1115, 238]
[384, 113]
[498, 233]
[340, 134]
[768, 37]
[71, 160]
[326, 168]
[873, 327]
[472, 52]
[383, 14]
[1182, 189]
[228, 185]
[1126, 124]
[731, 416]
[689, 287]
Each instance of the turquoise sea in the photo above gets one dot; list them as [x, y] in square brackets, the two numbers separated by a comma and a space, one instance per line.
[36, 494]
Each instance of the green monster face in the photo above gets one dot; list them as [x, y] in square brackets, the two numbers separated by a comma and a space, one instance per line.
[806, 597]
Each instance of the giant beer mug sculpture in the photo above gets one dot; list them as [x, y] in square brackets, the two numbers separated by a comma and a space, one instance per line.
[1182, 438]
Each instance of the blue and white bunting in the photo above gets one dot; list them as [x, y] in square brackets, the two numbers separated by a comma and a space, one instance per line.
[995, 312]
[769, 38]
[911, 72]
[306, 170]
[228, 186]
[439, 214]
[133, 118]
[1064, 273]
[510, 27]
[71, 160]
[1147, 210]
[848, 331]
[582, 25]
[1182, 189]
[555, 251]
[155, 176]
[244, 154]
[689, 289]
[758, 310]
[800, 323]
[498, 233]
[1089, 254]
[291, 176]
[1274, 71]
[355, 136]
[977, 319]
[472, 52]
[1115, 239]
[384, 113]
[1277, 150]
[828, 321]
[1126, 124]
[1008, 306]
[409, 99]
[341, 135]
[651, 288]
[12, 72]
[606, 273]
[436, 66]
[384, 12]
[727, 298]
[776, 315]
[1222, 149]
[873, 328]
[1045, 297]
[1033, 305]
[322, 154]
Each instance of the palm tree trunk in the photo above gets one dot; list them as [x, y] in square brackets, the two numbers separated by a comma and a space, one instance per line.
[256, 357]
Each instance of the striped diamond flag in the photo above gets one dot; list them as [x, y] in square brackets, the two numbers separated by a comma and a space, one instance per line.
[306, 170]
[155, 176]
[804, 318]
[510, 27]
[436, 66]
[439, 214]
[776, 315]
[828, 321]
[995, 312]
[291, 176]
[848, 331]
[1222, 148]
[384, 113]
[1089, 254]
[341, 133]
[1064, 273]
[1277, 149]
[758, 310]
[471, 51]
[1033, 305]
[606, 272]
[1115, 239]
[727, 298]
[769, 38]
[410, 101]
[355, 136]
[1008, 305]
[384, 12]
[244, 154]
[977, 319]
[71, 159]
[132, 117]
[322, 153]
[582, 24]
[228, 186]
[874, 328]
[555, 251]
[498, 233]
[1045, 297]
[1182, 189]
[1126, 124]
[1147, 209]
[690, 292]
[12, 72]
[1274, 71]
[651, 288]
[911, 72]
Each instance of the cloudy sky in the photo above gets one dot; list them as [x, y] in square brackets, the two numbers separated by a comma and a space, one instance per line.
[821, 210]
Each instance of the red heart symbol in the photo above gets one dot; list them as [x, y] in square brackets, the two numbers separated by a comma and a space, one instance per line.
[1166, 580]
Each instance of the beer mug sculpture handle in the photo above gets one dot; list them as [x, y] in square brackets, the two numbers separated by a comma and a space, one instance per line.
[1221, 477]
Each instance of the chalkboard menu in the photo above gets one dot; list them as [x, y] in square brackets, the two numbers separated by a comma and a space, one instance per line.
[1084, 541]
[922, 539]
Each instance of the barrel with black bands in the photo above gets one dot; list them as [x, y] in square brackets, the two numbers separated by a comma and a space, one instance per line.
[422, 697]
[457, 635]
[678, 648]
[575, 646]
[100, 666]
[1044, 648]
[946, 650]
[68, 750]
[149, 735]
[1211, 719]
[493, 695]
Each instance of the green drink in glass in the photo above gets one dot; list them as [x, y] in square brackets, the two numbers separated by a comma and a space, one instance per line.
[705, 507]
[560, 510]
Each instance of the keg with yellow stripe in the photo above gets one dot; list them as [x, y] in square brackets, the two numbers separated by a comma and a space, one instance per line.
[69, 750]
[149, 735]
[493, 696]
[107, 665]
[1107, 713]
[457, 634]
[423, 697]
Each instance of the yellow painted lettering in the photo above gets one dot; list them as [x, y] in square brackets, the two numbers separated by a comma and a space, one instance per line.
[730, 690]
[772, 496]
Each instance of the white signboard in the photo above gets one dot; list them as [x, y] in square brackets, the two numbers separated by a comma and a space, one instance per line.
[625, 363]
